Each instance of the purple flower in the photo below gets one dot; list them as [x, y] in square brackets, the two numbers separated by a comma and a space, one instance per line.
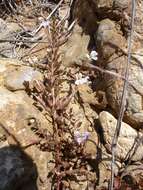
[81, 137]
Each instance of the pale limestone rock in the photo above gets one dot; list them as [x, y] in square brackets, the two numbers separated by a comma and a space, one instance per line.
[8, 31]
[13, 74]
[127, 141]
[16, 110]
[112, 48]
[5, 65]
[8, 62]
[108, 39]
[74, 52]
[86, 94]
[3, 25]
[134, 106]
[135, 170]
[15, 77]
[18, 116]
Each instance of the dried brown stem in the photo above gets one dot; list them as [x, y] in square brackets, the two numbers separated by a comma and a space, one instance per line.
[123, 99]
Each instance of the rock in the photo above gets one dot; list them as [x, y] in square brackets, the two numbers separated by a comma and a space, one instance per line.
[134, 174]
[86, 94]
[111, 39]
[134, 106]
[10, 62]
[80, 10]
[45, 164]
[104, 169]
[74, 52]
[101, 4]
[74, 185]
[91, 145]
[63, 10]
[16, 76]
[121, 4]
[5, 64]
[90, 114]
[3, 25]
[84, 116]
[112, 5]
[13, 74]
[130, 144]
[83, 182]
[17, 170]
[108, 39]
[16, 110]
[8, 31]
[18, 116]
[89, 15]
[6, 50]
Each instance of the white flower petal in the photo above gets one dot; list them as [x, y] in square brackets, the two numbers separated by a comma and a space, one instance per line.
[82, 81]
[45, 23]
[93, 55]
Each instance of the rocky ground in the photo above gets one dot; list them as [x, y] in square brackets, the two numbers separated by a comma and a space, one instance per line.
[58, 105]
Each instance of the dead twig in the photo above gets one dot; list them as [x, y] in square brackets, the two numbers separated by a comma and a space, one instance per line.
[123, 99]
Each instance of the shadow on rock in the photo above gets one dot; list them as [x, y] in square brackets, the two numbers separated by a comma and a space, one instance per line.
[17, 170]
